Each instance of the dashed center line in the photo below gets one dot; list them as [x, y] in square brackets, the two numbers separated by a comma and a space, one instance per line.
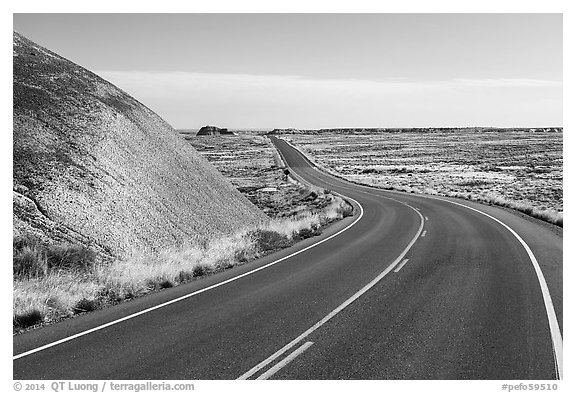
[423, 233]
[400, 266]
[426, 217]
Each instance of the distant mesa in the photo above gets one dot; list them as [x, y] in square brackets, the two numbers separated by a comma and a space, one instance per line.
[213, 130]
[94, 166]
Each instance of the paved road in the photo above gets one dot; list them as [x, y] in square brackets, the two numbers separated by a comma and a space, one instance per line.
[408, 288]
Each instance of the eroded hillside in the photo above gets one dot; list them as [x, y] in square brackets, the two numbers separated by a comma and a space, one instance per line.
[94, 166]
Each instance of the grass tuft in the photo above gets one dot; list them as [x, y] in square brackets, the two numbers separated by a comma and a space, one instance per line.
[32, 259]
[70, 257]
[28, 257]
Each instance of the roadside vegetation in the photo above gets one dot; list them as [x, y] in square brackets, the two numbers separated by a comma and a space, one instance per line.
[54, 282]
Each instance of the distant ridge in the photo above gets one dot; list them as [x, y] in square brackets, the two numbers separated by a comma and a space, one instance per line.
[94, 166]
[277, 131]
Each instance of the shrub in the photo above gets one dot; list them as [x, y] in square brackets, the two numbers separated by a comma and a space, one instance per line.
[305, 233]
[400, 170]
[224, 264]
[200, 270]
[27, 319]
[267, 240]
[346, 210]
[165, 283]
[184, 276]
[473, 183]
[84, 305]
[158, 283]
[111, 294]
[241, 256]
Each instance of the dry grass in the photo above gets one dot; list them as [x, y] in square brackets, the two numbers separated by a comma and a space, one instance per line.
[519, 170]
[549, 215]
[60, 293]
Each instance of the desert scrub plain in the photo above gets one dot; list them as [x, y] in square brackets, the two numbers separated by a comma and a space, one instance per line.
[55, 282]
[517, 169]
[253, 166]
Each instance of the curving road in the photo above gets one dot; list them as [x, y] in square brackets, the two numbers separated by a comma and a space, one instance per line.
[411, 287]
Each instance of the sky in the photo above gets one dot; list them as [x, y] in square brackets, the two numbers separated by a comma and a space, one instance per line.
[322, 70]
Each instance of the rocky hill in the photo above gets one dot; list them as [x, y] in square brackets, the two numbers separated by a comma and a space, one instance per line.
[94, 166]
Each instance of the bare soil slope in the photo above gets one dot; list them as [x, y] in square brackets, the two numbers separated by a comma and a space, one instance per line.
[94, 166]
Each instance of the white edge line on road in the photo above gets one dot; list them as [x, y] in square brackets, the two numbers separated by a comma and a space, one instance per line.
[285, 361]
[341, 307]
[401, 265]
[549, 305]
[555, 334]
[111, 323]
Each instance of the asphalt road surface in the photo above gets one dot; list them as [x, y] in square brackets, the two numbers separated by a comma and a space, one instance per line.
[410, 287]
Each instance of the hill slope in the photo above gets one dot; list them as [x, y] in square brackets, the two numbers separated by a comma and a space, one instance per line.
[94, 166]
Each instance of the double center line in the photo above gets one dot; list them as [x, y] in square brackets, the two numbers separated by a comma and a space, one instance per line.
[281, 364]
